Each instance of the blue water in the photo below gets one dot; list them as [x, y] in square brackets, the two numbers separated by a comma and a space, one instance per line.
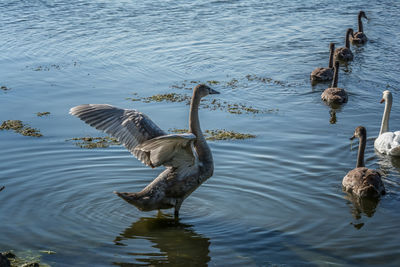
[273, 200]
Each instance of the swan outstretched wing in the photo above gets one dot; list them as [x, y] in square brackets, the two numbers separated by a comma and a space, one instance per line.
[172, 150]
[130, 127]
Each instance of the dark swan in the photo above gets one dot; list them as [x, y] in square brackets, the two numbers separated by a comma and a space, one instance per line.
[187, 157]
[359, 37]
[334, 94]
[361, 181]
[324, 74]
[344, 53]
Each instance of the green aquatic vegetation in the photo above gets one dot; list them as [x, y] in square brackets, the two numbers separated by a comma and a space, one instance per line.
[169, 97]
[219, 134]
[227, 135]
[41, 114]
[94, 142]
[5, 88]
[233, 83]
[15, 125]
[178, 131]
[253, 77]
[18, 127]
[213, 82]
[26, 259]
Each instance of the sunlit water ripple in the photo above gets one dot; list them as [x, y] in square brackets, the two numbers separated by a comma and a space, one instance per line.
[275, 199]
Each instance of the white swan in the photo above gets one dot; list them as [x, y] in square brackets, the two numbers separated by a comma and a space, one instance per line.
[187, 157]
[387, 142]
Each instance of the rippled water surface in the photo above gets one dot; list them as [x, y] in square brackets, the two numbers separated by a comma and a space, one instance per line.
[275, 199]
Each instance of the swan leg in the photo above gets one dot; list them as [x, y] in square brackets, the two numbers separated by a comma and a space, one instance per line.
[178, 205]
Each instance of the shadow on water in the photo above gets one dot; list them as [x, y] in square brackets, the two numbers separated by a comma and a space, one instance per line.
[179, 245]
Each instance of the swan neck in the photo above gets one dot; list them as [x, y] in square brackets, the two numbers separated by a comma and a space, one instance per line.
[194, 124]
[201, 146]
[360, 25]
[348, 39]
[361, 149]
[331, 58]
[335, 77]
[385, 117]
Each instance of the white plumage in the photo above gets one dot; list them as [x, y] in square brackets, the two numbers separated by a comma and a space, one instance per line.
[387, 142]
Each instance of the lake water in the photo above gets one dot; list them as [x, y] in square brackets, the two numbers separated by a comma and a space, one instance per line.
[273, 200]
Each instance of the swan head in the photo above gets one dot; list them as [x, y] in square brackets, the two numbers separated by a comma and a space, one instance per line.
[359, 132]
[350, 31]
[361, 14]
[386, 96]
[203, 90]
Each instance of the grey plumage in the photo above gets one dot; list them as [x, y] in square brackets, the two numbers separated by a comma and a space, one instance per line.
[359, 37]
[344, 53]
[187, 157]
[361, 181]
[334, 94]
[324, 74]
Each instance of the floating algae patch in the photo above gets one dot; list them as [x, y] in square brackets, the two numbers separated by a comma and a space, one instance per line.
[18, 127]
[178, 131]
[5, 88]
[226, 135]
[219, 134]
[170, 97]
[95, 142]
[41, 114]
[26, 259]
[212, 104]
[188, 85]
[234, 108]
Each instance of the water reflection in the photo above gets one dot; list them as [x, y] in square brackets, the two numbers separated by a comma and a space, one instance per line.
[333, 118]
[177, 242]
[387, 162]
[360, 206]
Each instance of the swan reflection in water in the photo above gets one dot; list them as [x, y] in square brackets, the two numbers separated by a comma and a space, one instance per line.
[359, 206]
[178, 244]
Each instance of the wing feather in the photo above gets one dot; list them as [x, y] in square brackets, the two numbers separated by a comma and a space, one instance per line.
[140, 135]
[130, 127]
[174, 150]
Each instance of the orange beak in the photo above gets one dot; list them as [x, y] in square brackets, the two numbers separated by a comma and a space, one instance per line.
[382, 100]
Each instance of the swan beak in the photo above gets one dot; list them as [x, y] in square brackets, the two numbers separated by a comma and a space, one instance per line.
[382, 100]
[351, 138]
[213, 92]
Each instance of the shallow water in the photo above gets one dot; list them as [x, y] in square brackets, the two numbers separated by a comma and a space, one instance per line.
[276, 199]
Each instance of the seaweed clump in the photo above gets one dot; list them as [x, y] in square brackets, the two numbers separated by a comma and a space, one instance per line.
[219, 134]
[27, 259]
[41, 114]
[170, 97]
[94, 142]
[18, 127]
[227, 135]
